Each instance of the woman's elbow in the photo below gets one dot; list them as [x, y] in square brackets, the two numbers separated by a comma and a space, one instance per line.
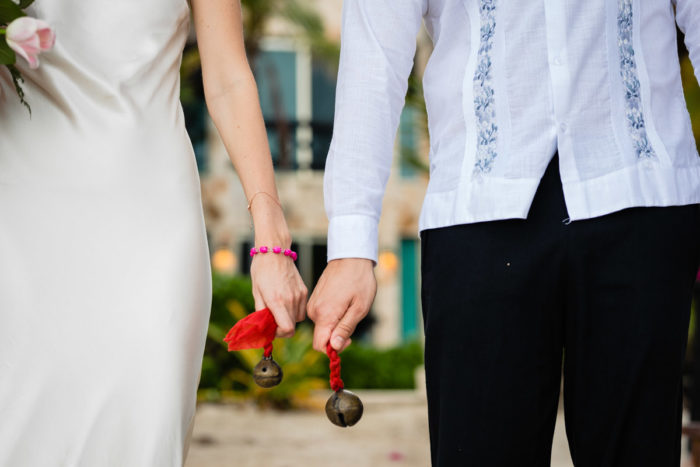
[222, 83]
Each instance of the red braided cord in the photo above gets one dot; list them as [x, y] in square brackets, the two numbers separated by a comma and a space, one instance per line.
[336, 382]
[268, 349]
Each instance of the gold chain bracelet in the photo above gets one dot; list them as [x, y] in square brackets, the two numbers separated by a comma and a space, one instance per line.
[250, 202]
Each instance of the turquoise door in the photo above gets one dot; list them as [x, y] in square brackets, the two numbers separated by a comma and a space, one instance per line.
[410, 289]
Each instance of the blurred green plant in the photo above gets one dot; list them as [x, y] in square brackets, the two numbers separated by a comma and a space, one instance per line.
[302, 367]
[231, 295]
[692, 327]
[365, 367]
[227, 376]
[690, 85]
[692, 95]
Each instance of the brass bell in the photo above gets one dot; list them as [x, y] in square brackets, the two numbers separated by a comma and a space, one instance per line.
[344, 408]
[267, 373]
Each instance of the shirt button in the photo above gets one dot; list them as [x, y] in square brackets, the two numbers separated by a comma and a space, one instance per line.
[563, 127]
[557, 61]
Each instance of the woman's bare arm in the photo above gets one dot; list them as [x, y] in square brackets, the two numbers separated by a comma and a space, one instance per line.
[232, 99]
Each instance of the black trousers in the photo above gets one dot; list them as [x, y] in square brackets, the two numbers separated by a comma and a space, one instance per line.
[507, 304]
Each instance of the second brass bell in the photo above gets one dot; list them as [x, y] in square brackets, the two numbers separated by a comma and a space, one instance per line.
[344, 408]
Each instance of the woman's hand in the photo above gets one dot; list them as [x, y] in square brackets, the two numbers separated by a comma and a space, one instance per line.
[278, 286]
[276, 281]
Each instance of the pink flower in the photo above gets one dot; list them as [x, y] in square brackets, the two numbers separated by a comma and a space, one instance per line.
[28, 37]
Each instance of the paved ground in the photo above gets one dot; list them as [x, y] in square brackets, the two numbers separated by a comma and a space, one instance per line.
[392, 433]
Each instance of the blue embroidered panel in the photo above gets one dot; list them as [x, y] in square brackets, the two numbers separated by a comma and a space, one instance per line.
[630, 80]
[484, 95]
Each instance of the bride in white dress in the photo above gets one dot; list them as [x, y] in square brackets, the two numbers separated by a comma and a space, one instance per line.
[104, 267]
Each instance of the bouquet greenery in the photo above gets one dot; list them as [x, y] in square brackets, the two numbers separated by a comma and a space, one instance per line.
[24, 36]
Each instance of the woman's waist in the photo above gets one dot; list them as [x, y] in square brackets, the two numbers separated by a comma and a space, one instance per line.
[90, 156]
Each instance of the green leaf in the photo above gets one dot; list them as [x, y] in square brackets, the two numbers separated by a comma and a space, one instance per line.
[18, 80]
[25, 3]
[9, 11]
[7, 55]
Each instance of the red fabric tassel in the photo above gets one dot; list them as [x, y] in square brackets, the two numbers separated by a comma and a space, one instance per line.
[336, 382]
[257, 330]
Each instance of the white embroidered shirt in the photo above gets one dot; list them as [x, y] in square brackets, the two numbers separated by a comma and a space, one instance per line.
[507, 85]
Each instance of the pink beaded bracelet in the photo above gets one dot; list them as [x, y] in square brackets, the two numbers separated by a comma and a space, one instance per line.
[277, 250]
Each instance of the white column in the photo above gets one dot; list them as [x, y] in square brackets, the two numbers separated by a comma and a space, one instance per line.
[304, 107]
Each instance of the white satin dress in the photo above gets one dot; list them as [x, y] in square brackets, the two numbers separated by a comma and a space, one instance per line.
[105, 285]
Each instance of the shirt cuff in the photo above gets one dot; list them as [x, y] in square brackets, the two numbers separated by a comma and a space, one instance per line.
[352, 236]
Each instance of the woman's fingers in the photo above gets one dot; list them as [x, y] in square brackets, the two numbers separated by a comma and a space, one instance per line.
[283, 316]
[278, 287]
[258, 299]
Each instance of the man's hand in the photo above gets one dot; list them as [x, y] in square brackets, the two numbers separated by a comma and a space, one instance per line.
[342, 297]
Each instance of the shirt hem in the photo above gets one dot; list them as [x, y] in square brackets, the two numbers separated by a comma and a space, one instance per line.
[493, 199]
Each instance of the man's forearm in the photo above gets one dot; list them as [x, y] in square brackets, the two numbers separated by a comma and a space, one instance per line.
[378, 45]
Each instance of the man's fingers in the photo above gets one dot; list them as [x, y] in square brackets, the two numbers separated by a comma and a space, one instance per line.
[335, 307]
[346, 326]
[322, 334]
[346, 345]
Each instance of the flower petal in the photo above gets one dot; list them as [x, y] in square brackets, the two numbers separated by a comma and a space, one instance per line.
[21, 29]
[47, 39]
[28, 36]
